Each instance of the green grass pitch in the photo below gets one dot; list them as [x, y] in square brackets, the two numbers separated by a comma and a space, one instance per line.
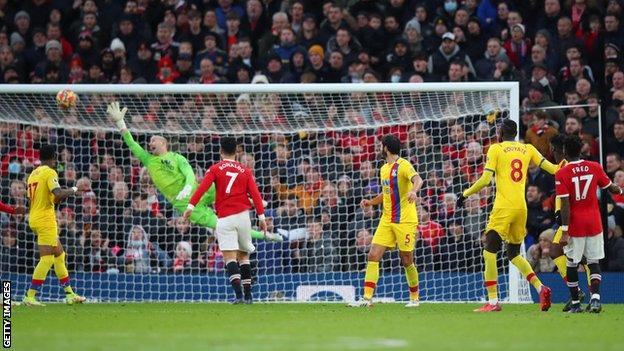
[185, 327]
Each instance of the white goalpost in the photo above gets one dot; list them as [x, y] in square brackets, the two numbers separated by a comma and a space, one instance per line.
[314, 151]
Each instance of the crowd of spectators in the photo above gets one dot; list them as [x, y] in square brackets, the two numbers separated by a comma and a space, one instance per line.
[561, 52]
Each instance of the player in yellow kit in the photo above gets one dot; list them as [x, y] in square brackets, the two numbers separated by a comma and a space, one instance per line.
[508, 161]
[399, 220]
[556, 249]
[43, 192]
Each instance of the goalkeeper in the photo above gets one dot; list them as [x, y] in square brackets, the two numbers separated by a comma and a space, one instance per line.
[173, 176]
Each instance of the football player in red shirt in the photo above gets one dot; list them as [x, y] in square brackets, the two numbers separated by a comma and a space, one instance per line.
[577, 184]
[234, 184]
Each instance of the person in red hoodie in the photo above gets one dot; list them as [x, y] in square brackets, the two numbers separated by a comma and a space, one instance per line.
[24, 151]
[430, 231]
[167, 73]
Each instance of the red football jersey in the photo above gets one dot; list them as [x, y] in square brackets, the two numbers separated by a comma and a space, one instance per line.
[234, 183]
[579, 182]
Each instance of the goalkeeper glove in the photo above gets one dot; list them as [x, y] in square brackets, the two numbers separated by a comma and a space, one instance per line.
[558, 217]
[460, 200]
[117, 115]
[184, 193]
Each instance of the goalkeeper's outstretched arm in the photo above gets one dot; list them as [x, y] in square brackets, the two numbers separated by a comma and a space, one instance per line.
[117, 115]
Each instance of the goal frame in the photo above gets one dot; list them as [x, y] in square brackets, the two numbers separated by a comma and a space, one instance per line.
[515, 284]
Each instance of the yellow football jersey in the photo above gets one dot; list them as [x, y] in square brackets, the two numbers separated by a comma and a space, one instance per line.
[509, 161]
[561, 164]
[396, 181]
[41, 182]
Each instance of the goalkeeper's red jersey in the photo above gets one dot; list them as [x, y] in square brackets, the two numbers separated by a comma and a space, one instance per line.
[234, 184]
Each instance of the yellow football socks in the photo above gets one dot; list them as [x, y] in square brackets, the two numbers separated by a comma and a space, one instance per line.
[370, 279]
[587, 274]
[525, 268]
[39, 275]
[61, 273]
[490, 275]
[411, 273]
[560, 262]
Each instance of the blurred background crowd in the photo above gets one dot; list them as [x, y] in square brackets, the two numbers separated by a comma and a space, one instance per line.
[561, 52]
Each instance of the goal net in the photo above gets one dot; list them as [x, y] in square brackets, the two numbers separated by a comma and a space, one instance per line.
[314, 150]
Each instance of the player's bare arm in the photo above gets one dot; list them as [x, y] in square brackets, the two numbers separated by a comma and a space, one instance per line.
[377, 200]
[416, 185]
[565, 220]
[61, 194]
[615, 189]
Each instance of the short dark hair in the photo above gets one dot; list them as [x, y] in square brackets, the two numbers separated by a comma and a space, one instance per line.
[558, 142]
[47, 152]
[509, 129]
[228, 145]
[392, 143]
[573, 145]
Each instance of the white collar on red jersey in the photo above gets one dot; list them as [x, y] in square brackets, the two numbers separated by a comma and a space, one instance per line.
[228, 159]
[575, 162]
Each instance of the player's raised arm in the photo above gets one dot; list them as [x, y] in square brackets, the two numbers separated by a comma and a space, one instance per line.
[117, 115]
[486, 176]
[201, 189]
[541, 161]
[189, 177]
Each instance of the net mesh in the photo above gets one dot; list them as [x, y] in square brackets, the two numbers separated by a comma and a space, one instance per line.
[314, 155]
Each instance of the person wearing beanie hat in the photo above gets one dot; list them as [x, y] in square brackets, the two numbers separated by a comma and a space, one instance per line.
[22, 23]
[318, 66]
[110, 65]
[21, 15]
[117, 44]
[52, 45]
[86, 49]
[517, 47]
[260, 79]
[317, 50]
[17, 43]
[119, 51]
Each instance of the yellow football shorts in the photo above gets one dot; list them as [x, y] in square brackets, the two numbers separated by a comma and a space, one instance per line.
[391, 235]
[509, 223]
[46, 235]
